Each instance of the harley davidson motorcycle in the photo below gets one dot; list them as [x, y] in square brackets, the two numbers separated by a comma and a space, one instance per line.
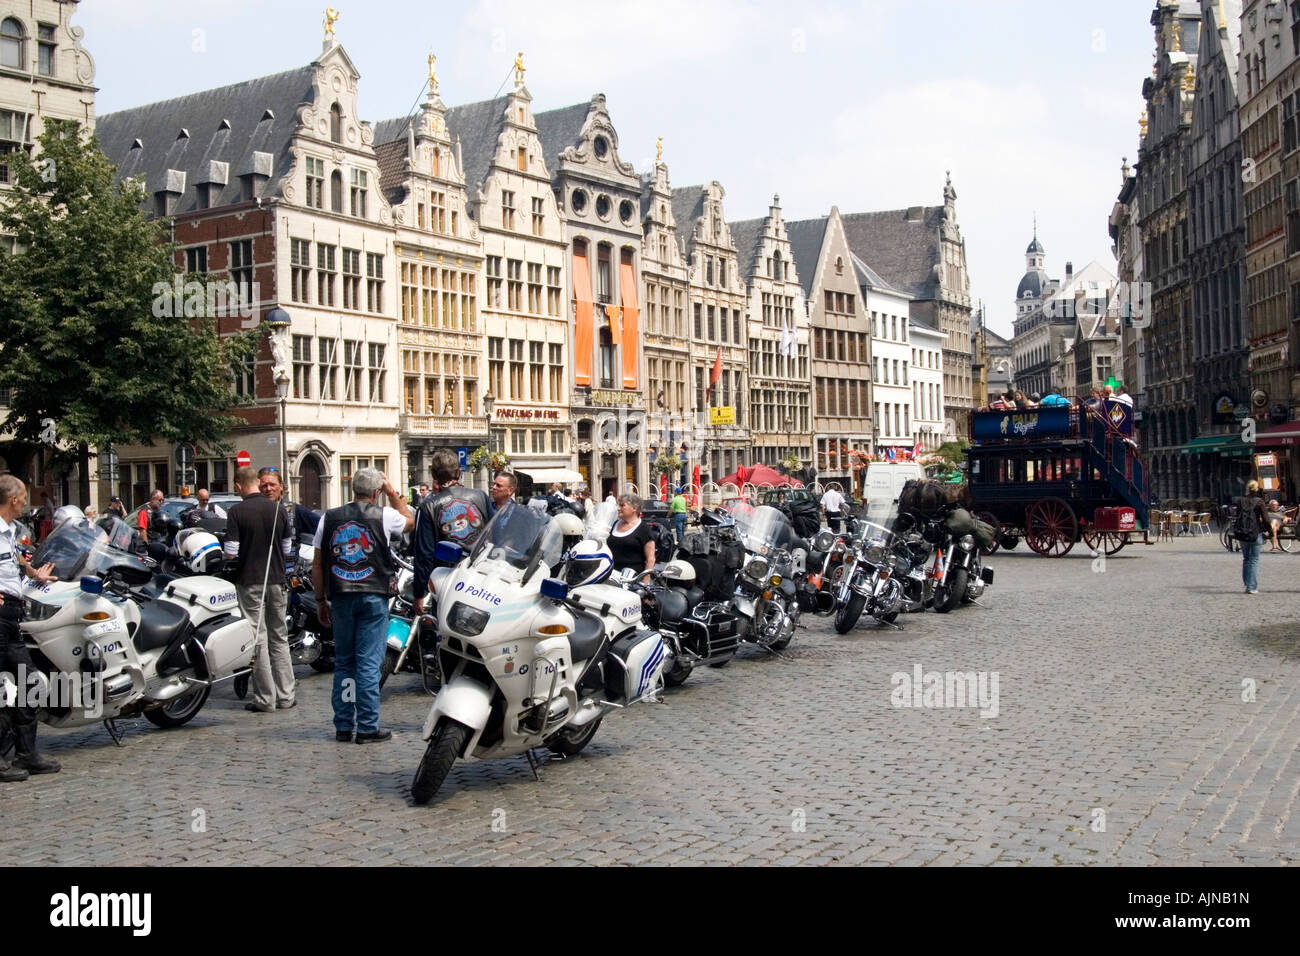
[767, 595]
[871, 577]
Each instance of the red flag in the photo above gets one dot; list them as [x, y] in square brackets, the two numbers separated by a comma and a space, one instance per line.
[916, 449]
[695, 487]
[716, 374]
[663, 486]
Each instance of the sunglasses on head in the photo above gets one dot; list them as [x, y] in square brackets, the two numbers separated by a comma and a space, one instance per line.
[266, 471]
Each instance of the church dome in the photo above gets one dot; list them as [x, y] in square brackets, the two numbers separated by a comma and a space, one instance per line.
[1032, 285]
[1035, 248]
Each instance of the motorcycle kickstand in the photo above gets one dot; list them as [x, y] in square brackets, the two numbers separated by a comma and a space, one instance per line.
[111, 726]
[978, 604]
[534, 763]
[897, 627]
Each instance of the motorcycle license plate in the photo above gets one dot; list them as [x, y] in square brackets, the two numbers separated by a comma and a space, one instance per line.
[726, 627]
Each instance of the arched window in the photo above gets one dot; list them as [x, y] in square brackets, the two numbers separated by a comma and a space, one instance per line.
[336, 191]
[776, 266]
[336, 124]
[11, 44]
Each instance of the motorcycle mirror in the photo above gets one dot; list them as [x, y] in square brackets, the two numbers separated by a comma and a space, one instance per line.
[448, 551]
[555, 589]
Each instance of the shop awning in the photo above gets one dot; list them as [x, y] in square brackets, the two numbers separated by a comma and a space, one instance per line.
[547, 475]
[1225, 446]
[1279, 436]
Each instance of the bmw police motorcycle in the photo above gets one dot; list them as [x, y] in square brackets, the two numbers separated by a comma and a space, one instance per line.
[104, 650]
[525, 663]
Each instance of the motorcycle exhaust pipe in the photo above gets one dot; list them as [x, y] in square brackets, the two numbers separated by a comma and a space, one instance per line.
[117, 686]
[307, 650]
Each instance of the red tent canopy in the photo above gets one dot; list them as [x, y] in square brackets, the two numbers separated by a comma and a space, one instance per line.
[760, 475]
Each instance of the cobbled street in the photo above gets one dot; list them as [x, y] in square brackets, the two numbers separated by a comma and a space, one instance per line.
[1121, 737]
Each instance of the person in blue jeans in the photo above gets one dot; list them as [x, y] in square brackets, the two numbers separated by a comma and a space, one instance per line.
[679, 515]
[352, 573]
[1252, 508]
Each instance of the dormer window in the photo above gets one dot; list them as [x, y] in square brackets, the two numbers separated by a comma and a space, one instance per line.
[601, 146]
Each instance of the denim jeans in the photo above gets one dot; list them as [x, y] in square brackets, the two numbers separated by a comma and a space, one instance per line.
[679, 520]
[1250, 564]
[360, 637]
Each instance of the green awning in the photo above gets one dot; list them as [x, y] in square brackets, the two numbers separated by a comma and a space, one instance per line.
[1225, 446]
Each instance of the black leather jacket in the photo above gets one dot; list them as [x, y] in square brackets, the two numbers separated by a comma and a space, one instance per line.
[456, 514]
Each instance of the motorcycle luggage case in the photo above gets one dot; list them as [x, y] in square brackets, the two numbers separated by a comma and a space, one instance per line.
[608, 599]
[638, 667]
[203, 596]
[227, 644]
[720, 625]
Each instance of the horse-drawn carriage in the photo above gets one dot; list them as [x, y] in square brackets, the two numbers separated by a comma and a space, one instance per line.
[1058, 475]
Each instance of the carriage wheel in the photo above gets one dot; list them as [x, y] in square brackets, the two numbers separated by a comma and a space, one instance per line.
[988, 518]
[1108, 541]
[1050, 527]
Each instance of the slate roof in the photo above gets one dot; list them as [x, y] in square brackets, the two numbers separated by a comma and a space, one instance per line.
[688, 206]
[748, 237]
[478, 125]
[902, 245]
[869, 277]
[806, 246]
[558, 129]
[226, 125]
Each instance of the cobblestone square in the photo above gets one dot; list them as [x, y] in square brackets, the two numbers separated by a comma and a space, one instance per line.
[1120, 702]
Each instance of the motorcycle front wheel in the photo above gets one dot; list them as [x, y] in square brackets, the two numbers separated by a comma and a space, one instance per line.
[849, 612]
[445, 745]
[680, 671]
[241, 686]
[569, 741]
[949, 594]
[180, 711]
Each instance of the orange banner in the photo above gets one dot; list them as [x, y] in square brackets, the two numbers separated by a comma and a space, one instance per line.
[631, 312]
[582, 321]
[615, 316]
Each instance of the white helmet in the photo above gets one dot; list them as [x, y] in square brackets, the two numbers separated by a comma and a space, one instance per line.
[68, 513]
[589, 562]
[200, 550]
[568, 524]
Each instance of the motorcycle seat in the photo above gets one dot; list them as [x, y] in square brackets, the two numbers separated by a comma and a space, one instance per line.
[588, 635]
[693, 597]
[160, 623]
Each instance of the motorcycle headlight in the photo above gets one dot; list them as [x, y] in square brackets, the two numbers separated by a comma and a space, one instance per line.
[875, 554]
[966, 542]
[775, 580]
[756, 568]
[824, 541]
[467, 620]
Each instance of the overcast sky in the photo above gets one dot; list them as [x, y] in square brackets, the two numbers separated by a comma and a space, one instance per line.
[864, 105]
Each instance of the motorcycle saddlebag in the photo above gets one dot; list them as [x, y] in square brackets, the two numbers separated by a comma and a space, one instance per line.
[636, 666]
[203, 596]
[719, 624]
[227, 643]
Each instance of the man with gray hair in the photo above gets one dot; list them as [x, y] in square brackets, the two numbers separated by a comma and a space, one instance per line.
[352, 573]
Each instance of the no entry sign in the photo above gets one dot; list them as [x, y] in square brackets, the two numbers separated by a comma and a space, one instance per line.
[243, 459]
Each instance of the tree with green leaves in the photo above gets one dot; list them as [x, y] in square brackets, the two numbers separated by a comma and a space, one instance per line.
[81, 344]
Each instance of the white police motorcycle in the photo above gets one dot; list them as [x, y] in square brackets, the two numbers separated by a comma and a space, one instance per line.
[525, 664]
[104, 651]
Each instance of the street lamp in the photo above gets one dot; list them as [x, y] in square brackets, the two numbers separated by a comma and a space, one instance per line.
[282, 392]
[278, 323]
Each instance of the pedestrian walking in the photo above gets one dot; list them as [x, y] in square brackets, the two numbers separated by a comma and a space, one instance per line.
[258, 542]
[16, 720]
[679, 515]
[1250, 524]
[833, 506]
[352, 573]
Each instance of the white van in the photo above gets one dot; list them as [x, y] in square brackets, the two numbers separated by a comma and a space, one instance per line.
[884, 481]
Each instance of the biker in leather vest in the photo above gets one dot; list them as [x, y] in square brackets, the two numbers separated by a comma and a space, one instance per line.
[355, 552]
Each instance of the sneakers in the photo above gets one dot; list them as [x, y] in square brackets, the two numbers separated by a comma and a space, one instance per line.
[374, 737]
[1250, 591]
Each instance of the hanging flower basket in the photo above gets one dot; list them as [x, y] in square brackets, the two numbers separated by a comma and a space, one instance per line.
[481, 457]
[666, 465]
[791, 462]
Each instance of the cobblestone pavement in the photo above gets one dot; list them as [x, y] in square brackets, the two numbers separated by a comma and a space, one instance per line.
[1120, 691]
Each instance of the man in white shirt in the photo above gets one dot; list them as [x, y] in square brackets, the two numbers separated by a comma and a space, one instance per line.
[14, 656]
[833, 506]
[208, 507]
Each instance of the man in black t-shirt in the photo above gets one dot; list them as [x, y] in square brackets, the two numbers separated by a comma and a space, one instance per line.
[258, 542]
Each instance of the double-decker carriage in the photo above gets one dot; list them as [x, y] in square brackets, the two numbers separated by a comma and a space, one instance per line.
[1055, 475]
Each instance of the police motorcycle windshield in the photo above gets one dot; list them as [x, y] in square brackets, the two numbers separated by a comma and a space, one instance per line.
[79, 548]
[762, 529]
[515, 542]
[601, 520]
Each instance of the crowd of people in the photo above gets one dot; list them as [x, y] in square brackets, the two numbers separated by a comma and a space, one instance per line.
[1016, 400]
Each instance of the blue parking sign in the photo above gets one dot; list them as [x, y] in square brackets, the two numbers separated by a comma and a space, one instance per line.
[463, 455]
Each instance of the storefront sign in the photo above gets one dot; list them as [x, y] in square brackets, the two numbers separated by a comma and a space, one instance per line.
[604, 396]
[723, 415]
[526, 414]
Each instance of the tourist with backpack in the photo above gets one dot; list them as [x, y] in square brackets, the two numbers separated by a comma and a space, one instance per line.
[1247, 527]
